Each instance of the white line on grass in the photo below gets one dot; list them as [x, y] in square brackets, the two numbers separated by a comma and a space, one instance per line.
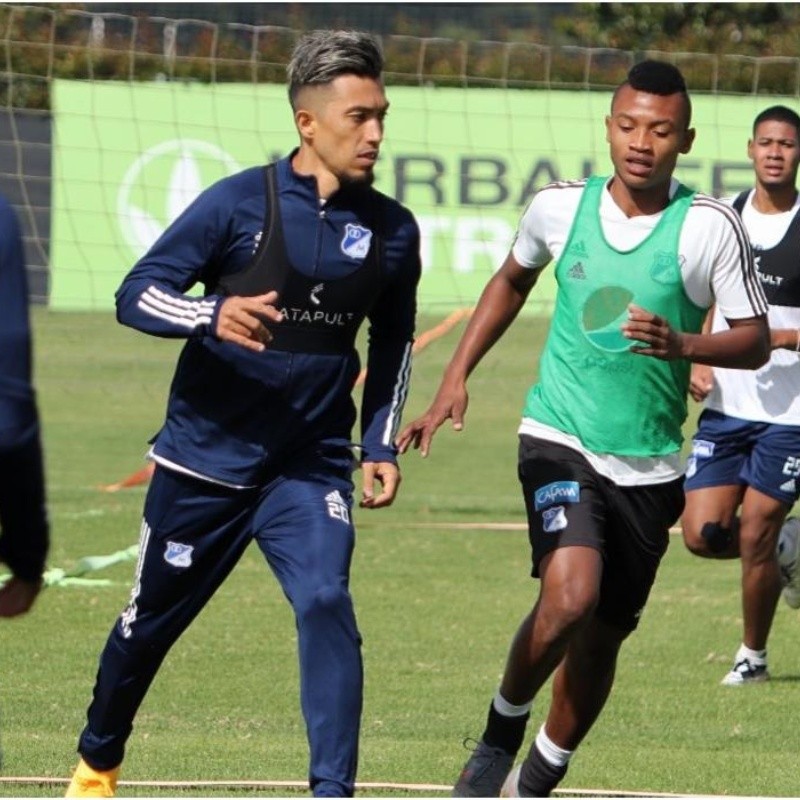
[412, 787]
[471, 526]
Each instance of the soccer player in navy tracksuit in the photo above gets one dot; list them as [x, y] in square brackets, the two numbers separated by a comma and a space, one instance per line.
[24, 532]
[257, 438]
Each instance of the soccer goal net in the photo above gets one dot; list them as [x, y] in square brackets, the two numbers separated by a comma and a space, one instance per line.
[112, 124]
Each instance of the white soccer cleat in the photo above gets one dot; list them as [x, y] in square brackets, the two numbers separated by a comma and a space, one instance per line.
[745, 672]
[510, 787]
[788, 551]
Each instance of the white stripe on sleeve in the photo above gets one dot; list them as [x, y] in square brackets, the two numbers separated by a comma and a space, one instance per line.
[177, 310]
[398, 398]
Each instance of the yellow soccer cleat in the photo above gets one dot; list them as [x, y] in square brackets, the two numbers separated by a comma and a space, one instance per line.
[89, 782]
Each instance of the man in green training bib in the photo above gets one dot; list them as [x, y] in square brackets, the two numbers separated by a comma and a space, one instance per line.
[639, 259]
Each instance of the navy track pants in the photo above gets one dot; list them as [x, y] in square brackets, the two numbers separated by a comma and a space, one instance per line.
[193, 534]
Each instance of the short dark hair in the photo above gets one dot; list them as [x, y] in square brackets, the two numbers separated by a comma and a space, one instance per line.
[320, 57]
[778, 114]
[661, 78]
[656, 77]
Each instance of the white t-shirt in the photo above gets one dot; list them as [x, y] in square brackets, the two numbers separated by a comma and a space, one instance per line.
[771, 393]
[716, 267]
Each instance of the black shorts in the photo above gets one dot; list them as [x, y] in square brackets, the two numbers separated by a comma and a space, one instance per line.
[569, 503]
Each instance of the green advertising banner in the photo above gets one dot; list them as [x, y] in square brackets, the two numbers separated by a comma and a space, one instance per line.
[128, 158]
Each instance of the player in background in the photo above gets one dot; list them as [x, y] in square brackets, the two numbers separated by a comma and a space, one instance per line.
[257, 442]
[743, 475]
[639, 259]
[24, 529]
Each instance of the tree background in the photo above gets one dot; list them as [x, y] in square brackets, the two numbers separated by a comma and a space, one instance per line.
[756, 29]
[747, 48]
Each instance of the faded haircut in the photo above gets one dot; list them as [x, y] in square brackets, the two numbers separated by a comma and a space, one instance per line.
[321, 56]
[658, 77]
[778, 114]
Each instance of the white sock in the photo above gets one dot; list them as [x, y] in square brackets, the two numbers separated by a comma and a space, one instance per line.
[757, 657]
[502, 706]
[551, 752]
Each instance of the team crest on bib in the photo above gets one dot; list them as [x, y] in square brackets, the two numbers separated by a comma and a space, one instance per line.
[665, 268]
[355, 242]
[179, 555]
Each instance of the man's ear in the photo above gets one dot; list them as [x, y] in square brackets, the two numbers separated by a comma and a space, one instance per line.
[688, 140]
[306, 123]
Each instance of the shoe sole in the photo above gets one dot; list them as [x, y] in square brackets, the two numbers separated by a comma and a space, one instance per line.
[791, 597]
[745, 682]
[790, 573]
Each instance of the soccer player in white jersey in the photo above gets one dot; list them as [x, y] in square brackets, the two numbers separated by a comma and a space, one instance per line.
[743, 475]
[639, 259]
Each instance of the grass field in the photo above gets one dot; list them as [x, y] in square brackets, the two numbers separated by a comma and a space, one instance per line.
[437, 606]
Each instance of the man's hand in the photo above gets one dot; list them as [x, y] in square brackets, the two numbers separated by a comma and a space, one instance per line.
[241, 320]
[701, 381]
[388, 475]
[652, 334]
[450, 403]
[17, 596]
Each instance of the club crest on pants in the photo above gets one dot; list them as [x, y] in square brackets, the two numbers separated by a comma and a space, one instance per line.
[179, 555]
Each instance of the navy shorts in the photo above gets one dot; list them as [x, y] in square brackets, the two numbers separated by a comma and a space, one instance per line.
[569, 503]
[727, 451]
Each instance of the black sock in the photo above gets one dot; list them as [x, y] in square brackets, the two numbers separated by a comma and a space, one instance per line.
[538, 777]
[505, 732]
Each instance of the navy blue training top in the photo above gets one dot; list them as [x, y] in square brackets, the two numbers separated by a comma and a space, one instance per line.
[235, 416]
